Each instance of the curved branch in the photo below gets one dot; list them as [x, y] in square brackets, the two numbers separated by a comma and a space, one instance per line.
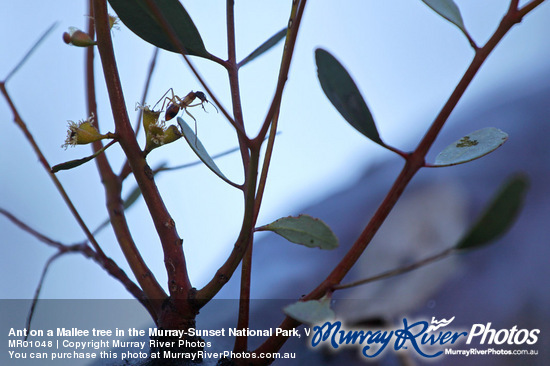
[292, 33]
[22, 125]
[179, 284]
[107, 264]
[225, 272]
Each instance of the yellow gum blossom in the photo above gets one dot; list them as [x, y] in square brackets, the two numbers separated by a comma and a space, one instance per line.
[156, 133]
[82, 132]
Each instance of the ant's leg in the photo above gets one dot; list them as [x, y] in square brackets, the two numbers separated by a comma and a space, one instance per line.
[190, 115]
[164, 97]
[196, 137]
[194, 119]
[213, 105]
[202, 105]
[197, 104]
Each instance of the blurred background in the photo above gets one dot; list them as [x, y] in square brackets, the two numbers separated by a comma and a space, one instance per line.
[405, 59]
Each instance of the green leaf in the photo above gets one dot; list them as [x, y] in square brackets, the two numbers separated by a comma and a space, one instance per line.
[470, 147]
[137, 16]
[71, 164]
[201, 152]
[498, 216]
[311, 312]
[448, 10]
[342, 92]
[304, 230]
[264, 46]
[74, 163]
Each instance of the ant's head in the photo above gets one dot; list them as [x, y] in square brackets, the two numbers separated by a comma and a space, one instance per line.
[201, 96]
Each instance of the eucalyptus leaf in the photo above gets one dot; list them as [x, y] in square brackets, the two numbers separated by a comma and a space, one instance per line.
[201, 152]
[137, 16]
[264, 46]
[311, 312]
[470, 147]
[448, 10]
[74, 163]
[342, 92]
[498, 216]
[71, 164]
[304, 230]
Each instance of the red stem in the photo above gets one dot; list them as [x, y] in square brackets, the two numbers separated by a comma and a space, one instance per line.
[241, 342]
[292, 33]
[233, 73]
[178, 279]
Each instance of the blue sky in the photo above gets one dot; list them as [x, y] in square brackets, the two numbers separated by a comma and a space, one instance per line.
[405, 59]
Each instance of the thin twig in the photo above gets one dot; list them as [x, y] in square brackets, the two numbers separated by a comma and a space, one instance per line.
[197, 162]
[39, 288]
[224, 273]
[529, 7]
[271, 120]
[102, 163]
[266, 164]
[290, 42]
[126, 170]
[152, 65]
[397, 271]
[241, 341]
[30, 52]
[43, 238]
[21, 124]
[106, 263]
[233, 74]
[109, 266]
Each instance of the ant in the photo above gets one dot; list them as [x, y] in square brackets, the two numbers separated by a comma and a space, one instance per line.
[175, 104]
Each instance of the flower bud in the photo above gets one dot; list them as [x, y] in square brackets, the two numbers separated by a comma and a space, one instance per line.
[81, 133]
[158, 135]
[113, 22]
[171, 134]
[149, 117]
[154, 137]
[78, 38]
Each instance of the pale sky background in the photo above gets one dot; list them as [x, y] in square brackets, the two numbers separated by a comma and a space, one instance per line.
[405, 59]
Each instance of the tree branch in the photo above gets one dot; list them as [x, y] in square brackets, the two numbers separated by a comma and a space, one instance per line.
[172, 245]
[294, 21]
[414, 162]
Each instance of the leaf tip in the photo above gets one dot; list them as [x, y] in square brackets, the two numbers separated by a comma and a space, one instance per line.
[499, 215]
